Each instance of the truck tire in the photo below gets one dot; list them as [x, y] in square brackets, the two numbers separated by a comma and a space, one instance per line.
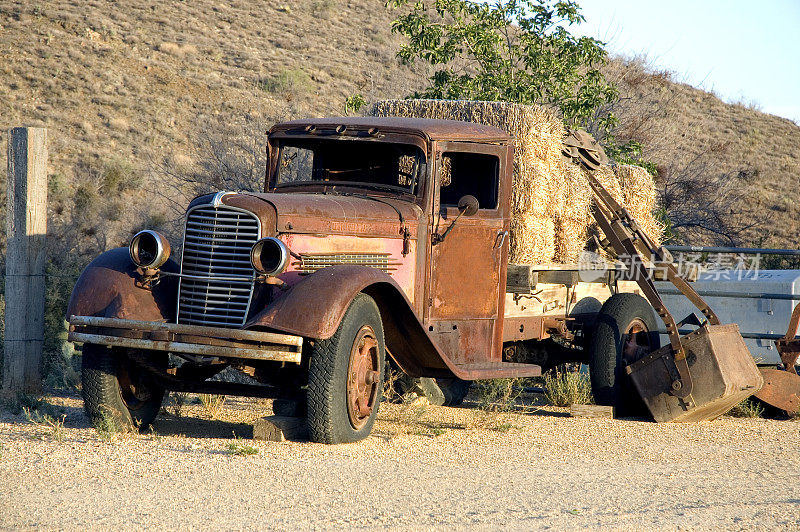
[345, 376]
[454, 390]
[115, 389]
[625, 330]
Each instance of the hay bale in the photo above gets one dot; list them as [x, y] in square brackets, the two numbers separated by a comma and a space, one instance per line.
[537, 195]
[639, 191]
[571, 221]
[533, 239]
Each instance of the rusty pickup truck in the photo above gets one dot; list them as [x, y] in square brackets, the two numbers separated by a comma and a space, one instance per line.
[373, 238]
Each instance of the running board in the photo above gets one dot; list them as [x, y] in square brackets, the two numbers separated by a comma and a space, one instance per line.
[495, 370]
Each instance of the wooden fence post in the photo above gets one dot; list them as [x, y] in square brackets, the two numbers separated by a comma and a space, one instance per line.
[26, 227]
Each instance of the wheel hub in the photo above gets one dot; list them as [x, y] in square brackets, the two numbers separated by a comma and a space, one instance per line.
[637, 342]
[363, 377]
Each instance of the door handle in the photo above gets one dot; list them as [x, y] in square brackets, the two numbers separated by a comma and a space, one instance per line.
[502, 237]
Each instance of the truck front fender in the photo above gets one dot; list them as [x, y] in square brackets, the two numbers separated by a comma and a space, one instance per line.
[314, 307]
[107, 288]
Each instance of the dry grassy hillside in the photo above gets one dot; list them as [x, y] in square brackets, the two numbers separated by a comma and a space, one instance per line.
[124, 85]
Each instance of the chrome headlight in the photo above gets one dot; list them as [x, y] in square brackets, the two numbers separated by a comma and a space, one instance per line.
[149, 249]
[270, 256]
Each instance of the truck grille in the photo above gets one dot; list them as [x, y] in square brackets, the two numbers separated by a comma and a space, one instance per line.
[216, 253]
[311, 262]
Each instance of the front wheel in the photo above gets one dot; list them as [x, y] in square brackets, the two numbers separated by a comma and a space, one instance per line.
[116, 390]
[625, 331]
[345, 376]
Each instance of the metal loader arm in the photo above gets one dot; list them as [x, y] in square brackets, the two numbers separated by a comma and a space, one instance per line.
[629, 240]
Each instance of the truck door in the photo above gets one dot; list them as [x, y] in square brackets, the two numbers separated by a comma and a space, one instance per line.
[466, 288]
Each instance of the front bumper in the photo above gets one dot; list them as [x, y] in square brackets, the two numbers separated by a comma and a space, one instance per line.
[189, 339]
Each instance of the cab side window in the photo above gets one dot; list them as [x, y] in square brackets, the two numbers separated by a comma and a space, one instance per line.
[476, 174]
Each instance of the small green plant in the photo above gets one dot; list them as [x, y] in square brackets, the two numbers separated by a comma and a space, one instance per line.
[354, 103]
[238, 448]
[564, 388]
[179, 400]
[748, 408]
[105, 426]
[503, 426]
[498, 395]
[53, 425]
[155, 436]
[212, 404]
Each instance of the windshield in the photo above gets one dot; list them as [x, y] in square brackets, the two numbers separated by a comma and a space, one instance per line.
[350, 162]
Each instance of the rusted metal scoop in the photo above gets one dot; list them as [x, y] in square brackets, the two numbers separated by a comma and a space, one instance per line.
[782, 386]
[717, 373]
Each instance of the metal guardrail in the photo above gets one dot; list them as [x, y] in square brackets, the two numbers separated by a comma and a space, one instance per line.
[741, 251]
[750, 335]
[722, 293]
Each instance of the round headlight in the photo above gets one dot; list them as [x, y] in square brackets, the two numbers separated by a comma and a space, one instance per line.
[269, 256]
[149, 249]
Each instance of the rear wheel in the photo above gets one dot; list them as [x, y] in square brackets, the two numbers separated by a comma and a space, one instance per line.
[625, 331]
[346, 375]
[117, 390]
[454, 390]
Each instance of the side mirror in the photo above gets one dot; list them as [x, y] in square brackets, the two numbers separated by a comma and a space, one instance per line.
[468, 205]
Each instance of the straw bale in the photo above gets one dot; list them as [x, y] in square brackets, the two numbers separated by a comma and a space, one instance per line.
[532, 238]
[639, 192]
[571, 227]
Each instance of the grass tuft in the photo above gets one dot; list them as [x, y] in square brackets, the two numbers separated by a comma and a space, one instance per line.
[55, 426]
[179, 400]
[238, 448]
[105, 426]
[567, 388]
[212, 404]
[498, 395]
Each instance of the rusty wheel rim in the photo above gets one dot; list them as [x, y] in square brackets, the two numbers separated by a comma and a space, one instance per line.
[637, 341]
[363, 377]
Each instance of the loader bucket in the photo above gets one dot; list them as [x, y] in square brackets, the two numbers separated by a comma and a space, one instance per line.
[721, 373]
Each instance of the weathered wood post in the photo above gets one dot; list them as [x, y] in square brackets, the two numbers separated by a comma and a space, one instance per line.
[26, 226]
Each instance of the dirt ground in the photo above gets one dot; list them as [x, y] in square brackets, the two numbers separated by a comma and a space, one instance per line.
[423, 466]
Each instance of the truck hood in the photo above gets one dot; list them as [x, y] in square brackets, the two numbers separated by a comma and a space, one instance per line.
[325, 213]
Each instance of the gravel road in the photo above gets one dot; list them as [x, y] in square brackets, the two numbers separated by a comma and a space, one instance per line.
[423, 467]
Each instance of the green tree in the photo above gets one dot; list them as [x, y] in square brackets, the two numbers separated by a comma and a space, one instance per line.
[511, 50]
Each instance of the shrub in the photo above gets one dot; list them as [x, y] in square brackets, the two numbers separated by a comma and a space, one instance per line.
[212, 403]
[748, 408]
[498, 395]
[564, 388]
[289, 82]
[105, 426]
